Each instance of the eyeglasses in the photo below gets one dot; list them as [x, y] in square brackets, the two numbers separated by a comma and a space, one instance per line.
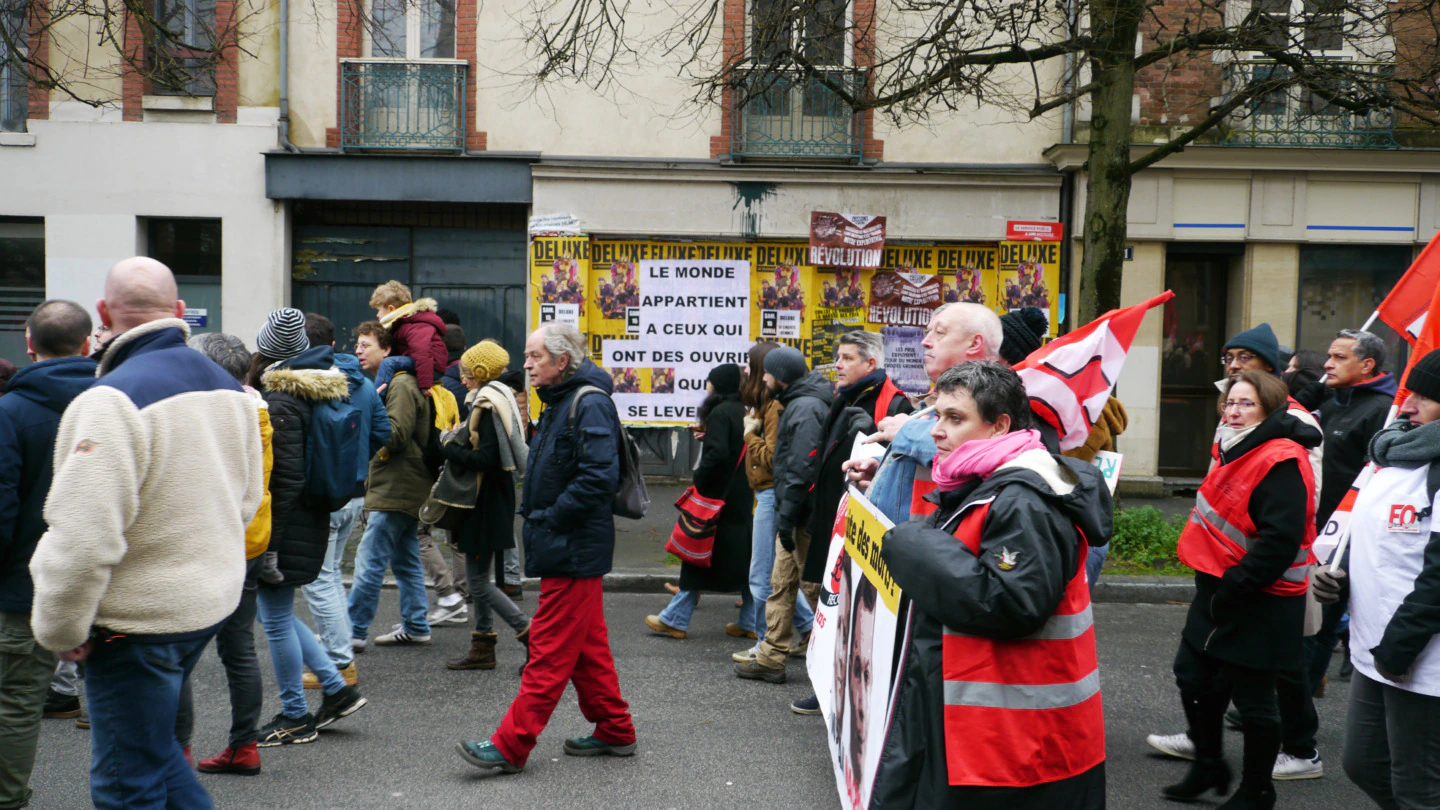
[1243, 404]
[1239, 357]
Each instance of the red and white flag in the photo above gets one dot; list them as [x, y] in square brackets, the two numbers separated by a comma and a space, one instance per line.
[1405, 307]
[1069, 379]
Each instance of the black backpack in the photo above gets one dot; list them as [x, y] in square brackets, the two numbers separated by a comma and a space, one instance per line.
[632, 500]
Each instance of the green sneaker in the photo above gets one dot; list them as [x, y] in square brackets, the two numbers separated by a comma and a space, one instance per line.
[595, 747]
[484, 754]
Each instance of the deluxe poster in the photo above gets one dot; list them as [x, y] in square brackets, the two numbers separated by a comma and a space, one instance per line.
[1030, 277]
[559, 269]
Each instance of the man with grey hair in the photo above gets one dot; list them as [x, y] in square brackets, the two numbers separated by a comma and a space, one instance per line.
[570, 484]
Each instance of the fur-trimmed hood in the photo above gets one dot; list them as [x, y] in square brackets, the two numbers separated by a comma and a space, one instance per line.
[422, 305]
[310, 375]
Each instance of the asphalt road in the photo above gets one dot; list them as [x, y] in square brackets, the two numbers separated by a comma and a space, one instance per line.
[707, 739]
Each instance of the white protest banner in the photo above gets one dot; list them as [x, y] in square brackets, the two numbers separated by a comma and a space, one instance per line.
[1108, 464]
[698, 299]
[662, 380]
[854, 653]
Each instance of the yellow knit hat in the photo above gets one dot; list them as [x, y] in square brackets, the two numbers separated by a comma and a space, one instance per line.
[484, 361]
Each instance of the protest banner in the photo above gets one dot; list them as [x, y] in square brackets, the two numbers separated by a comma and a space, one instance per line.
[857, 647]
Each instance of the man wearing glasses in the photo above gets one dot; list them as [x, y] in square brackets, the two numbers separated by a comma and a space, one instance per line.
[1258, 349]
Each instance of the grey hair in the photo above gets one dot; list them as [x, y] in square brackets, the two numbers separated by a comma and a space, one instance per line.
[978, 320]
[869, 344]
[227, 351]
[564, 338]
[996, 389]
[1368, 346]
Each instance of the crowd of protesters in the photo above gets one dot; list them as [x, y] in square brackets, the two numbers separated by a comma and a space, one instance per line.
[235, 479]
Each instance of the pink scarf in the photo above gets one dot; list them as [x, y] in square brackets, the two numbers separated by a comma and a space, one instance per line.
[981, 457]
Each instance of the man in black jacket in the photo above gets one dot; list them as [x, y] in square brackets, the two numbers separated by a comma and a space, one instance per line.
[806, 397]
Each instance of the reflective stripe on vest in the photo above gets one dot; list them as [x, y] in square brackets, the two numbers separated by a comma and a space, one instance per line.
[1027, 711]
[1220, 532]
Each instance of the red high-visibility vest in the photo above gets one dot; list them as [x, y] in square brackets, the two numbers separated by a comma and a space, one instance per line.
[888, 391]
[1220, 531]
[1023, 712]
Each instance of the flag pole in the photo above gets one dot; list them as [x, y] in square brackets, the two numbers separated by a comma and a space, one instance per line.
[1370, 320]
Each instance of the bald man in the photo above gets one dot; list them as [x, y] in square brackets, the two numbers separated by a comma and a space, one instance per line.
[158, 471]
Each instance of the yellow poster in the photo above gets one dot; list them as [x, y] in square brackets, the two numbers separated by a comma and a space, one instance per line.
[1030, 277]
[968, 273]
[614, 290]
[865, 529]
[559, 270]
[782, 295]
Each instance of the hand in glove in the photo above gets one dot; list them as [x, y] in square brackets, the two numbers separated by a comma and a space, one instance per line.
[270, 568]
[753, 425]
[1327, 585]
[787, 537]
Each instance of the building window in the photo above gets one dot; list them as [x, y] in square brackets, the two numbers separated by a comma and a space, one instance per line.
[14, 87]
[22, 280]
[182, 55]
[409, 92]
[411, 29]
[191, 249]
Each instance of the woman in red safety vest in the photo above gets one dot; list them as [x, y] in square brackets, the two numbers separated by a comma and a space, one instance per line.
[999, 706]
[1248, 540]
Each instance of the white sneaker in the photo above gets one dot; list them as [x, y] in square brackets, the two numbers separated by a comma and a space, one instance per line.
[1289, 769]
[454, 614]
[1171, 745]
[745, 656]
[400, 636]
[450, 601]
[359, 644]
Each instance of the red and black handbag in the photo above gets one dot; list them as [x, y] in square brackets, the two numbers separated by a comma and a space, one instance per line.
[693, 538]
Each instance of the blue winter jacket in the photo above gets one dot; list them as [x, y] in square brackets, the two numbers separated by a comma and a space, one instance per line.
[571, 481]
[30, 415]
[373, 420]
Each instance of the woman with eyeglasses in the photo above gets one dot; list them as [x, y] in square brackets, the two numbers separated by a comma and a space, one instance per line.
[1248, 540]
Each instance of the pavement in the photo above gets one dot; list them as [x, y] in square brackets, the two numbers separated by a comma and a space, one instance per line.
[706, 738]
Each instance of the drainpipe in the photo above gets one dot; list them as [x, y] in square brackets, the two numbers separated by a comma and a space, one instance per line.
[1067, 113]
[284, 122]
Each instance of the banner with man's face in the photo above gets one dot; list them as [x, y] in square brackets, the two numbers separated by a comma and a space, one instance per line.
[856, 649]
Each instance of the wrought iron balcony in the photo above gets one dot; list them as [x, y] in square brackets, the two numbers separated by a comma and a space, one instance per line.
[793, 117]
[387, 104]
[1296, 116]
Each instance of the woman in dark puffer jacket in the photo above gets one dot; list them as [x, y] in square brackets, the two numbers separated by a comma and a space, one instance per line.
[293, 377]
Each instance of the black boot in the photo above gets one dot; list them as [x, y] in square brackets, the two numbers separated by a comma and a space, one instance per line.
[1204, 774]
[1262, 744]
[1205, 714]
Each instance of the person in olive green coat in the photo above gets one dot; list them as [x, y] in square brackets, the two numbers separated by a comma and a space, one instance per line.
[398, 486]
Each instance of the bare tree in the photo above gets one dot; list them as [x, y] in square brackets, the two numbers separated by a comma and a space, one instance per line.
[1370, 63]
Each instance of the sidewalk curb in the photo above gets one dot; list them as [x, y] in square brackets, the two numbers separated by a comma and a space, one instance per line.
[1115, 589]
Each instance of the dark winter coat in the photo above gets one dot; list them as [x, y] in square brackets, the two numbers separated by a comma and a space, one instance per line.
[452, 383]
[1231, 618]
[299, 526]
[950, 587]
[488, 529]
[852, 412]
[719, 476]
[399, 480]
[797, 447]
[1350, 417]
[30, 415]
[570, 481]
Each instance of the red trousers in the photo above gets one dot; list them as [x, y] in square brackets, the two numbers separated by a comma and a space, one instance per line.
[568, 644]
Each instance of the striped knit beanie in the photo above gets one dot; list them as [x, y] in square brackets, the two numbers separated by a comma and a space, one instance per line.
[283, 335]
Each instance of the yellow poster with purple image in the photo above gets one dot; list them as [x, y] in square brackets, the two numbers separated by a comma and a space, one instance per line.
[1030, 277]
[559, 271]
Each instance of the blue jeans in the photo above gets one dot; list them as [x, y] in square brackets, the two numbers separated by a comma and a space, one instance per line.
[1093, 563]
[389, 541]
[326, 595]
[682, 606]
[133, 686]
[762, 563]
[291, 644]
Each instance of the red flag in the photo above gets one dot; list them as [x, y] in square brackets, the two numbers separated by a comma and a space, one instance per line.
[1404, 308]
[1426, 337]
[1069, 379]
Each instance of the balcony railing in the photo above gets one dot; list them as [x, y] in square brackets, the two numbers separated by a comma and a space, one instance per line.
[385, 104]
[1296, 116]
[793, 117]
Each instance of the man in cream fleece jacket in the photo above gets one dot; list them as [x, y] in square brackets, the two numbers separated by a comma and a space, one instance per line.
[136, 576]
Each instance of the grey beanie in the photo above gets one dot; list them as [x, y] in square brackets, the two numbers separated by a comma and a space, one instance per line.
[283, 335]
[786, 364]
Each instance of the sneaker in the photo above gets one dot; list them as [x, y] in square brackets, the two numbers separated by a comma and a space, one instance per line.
[244, 761]
[733, 629]
[341, 704]
[745, 656]
[810, 705]
[455, 614]
[83, 721]
[284, 730]
[358, 644]
[755, 671]
[654, 623]
[484, 754]
[347, 672]
[400, 637]
[64, 706]
[1173, 745]
[595, 747]
[1289, 769]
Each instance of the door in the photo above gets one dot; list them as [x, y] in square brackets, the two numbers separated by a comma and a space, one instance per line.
[1194, 335]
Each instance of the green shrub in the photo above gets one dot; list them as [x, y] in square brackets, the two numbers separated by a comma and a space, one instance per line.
[1145, 539]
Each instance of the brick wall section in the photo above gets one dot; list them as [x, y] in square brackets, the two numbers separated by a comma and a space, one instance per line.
[39, 47]
[1177, 91]
[226, 101]
[132, 84]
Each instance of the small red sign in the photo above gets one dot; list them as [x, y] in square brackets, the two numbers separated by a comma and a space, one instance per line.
[1034, 231]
